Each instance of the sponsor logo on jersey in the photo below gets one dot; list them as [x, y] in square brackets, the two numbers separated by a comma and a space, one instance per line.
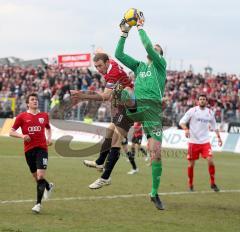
[203, 120]
[41, 120]
[32, 129]
[145, 74]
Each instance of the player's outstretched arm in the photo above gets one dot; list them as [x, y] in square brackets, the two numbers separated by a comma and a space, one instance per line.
[157, 59]
[77, 96]
[125, 59]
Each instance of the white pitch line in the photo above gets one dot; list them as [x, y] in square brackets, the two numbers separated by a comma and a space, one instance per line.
[22, 156]
[119, 196]
[49, 157]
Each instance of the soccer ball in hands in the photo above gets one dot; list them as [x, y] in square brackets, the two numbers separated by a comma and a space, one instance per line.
[131, 16]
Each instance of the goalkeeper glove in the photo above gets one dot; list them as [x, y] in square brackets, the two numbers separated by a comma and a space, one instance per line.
[125, 28]
[141, 20]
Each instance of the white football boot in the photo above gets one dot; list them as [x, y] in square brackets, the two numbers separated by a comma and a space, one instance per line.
[47, 193]
[93, 164]
[133, 171]
[36, 208]
[99, 183]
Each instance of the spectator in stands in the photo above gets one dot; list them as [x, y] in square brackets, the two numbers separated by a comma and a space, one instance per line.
[181, 88]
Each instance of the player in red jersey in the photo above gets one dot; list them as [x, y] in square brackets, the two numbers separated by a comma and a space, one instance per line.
[114, 76]
[33, 124]
[130, 155]
[137, 139]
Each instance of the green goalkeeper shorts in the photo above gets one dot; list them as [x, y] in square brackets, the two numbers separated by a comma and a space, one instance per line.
[149, 113]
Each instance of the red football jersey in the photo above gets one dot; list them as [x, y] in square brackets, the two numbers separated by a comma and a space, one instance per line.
[115, 73]
[138, 131]
[33, 125]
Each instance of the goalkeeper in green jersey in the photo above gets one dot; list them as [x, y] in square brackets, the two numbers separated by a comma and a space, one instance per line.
[149, 91]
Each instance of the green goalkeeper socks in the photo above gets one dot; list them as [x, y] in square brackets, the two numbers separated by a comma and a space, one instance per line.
[156, 174]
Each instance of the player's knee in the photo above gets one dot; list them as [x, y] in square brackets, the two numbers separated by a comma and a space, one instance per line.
[133, 149]
[155, 155]
[40, 175]
[41, 185]
[110, 130]
[191, 163]
[116, 143]
[131, 155]
[210, 162]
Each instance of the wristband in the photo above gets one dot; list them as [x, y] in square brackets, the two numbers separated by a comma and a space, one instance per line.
[124, 34]
[139, 27]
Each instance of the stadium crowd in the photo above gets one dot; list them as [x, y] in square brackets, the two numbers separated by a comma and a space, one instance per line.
[223, 91]
[53, 84]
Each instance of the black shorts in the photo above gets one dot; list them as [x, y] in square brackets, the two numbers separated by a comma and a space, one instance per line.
[120, 118]
[37, 158]
[137, 140]
[125, 141]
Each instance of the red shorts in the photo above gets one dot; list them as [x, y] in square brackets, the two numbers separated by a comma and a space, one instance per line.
[195, 149]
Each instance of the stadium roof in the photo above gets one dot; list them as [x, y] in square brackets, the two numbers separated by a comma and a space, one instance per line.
[18, 61]
[10, 60]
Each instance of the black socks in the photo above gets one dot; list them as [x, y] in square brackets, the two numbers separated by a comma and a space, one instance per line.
[105, 148]
[131, 159]
[143, 151]
[47, 185]
[111, 161]
[41, 185]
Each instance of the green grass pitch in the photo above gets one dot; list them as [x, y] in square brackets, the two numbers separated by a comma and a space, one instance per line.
[74, 207]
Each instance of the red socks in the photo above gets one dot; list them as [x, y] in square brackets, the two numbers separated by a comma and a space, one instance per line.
[211, 170]
[190, 176]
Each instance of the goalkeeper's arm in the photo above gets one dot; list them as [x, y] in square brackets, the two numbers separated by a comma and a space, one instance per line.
[125, 59]
[156, 57]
